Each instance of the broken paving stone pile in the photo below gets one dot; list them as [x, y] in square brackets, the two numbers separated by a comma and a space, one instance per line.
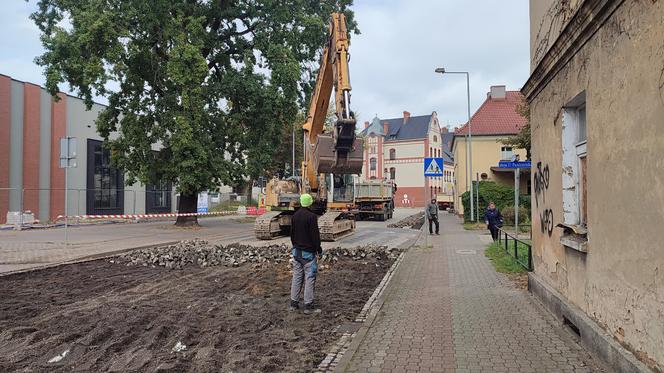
[414, 221]
[203, 254]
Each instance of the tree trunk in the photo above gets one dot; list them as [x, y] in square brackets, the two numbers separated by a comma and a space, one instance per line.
[188, 204]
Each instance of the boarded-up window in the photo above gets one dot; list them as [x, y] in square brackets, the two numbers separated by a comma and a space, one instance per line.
[574, 162]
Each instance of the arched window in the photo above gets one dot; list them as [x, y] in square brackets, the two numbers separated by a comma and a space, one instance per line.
[430, 152]
[372, 164]
[393, 173]
[435, 138]
[393, 154]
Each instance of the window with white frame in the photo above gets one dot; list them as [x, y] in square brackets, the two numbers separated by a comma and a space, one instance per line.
[574, 145]
[372, 164]
[506, 153]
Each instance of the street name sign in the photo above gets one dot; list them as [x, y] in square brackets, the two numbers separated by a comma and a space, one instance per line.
[507, 164]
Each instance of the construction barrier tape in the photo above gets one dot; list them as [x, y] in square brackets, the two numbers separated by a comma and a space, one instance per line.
[145, 216]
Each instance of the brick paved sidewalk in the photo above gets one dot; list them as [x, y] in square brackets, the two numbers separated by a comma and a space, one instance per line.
[447, 310]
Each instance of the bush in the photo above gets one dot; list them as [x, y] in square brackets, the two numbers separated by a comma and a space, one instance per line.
[502, 195]
[508, 215]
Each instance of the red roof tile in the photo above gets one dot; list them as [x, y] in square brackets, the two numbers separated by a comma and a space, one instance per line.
[496, 117]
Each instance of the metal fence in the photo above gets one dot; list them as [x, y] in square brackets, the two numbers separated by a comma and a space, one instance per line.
[520, 250]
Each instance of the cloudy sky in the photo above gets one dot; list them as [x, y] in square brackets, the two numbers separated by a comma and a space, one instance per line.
[392, 61]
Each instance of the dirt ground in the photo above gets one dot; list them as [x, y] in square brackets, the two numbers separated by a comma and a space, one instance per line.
[116, 318]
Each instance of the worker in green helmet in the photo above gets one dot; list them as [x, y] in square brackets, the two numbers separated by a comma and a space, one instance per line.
[305, 238]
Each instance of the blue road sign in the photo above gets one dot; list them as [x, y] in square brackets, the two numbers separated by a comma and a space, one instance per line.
[433, 166]
[506, 164]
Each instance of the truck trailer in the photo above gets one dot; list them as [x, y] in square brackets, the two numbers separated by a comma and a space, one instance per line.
[374, 199]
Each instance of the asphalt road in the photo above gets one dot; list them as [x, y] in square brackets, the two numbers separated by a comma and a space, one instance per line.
[21, 250]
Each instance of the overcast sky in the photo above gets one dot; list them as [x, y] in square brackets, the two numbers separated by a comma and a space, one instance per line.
[392, 61]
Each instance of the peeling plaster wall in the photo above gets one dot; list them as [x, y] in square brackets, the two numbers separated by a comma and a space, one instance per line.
[620, 281]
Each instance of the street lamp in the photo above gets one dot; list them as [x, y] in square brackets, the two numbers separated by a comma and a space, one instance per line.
[469, 150]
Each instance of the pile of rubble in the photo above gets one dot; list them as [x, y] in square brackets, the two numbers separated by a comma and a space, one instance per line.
[414, 221]
[203, 254]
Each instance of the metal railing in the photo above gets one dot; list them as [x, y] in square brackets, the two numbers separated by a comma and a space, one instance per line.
[521, 251]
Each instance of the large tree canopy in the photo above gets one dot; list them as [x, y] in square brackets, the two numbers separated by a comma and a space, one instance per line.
[210, 83]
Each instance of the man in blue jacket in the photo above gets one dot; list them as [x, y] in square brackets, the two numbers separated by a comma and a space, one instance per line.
[305, 238]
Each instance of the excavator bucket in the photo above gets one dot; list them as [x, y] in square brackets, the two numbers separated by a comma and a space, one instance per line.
[329, 159]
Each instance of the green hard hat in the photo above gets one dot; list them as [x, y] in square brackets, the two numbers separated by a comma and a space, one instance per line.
[306, 200]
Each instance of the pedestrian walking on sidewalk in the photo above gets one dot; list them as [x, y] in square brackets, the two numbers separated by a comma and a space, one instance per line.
[305, 238]
[432, 215]
[493, 220]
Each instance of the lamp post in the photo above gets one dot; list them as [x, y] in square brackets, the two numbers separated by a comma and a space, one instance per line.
[469, 150]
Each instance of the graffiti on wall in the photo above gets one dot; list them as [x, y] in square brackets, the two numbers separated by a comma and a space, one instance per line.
[541, 182]
[546, 221]
[541, 186]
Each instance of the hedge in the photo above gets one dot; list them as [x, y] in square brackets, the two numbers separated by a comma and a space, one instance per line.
[502, 195]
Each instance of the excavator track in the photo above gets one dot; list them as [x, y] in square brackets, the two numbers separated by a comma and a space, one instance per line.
[334, 225]
[267, 226]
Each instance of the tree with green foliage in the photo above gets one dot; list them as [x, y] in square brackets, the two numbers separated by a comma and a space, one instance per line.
[522, 139]
[204, 88]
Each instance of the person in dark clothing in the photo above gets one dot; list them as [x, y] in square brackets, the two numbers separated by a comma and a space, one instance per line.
[432, 215]
[493, 220]
[305, 238]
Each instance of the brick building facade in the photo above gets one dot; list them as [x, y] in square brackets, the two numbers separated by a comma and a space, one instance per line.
[395, 149]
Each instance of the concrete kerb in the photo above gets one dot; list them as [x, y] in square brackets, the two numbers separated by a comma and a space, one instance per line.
[343, 350]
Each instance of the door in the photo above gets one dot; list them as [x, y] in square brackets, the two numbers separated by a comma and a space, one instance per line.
[105, 184]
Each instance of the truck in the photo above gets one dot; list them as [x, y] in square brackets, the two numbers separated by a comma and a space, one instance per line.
[374, 199]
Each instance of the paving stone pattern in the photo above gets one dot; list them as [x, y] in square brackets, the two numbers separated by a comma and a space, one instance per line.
[447, 310]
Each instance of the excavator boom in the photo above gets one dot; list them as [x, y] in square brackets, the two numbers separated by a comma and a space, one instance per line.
[339, 152]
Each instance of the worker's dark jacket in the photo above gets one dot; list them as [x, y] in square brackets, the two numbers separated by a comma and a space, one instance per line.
[493, 217]
[304, 231]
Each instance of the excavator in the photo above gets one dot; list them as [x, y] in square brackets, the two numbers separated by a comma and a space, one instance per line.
[330, 159]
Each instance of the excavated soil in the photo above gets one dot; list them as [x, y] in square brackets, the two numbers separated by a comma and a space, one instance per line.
[111, 317]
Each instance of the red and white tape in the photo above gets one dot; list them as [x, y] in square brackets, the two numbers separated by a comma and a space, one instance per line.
[146, 216]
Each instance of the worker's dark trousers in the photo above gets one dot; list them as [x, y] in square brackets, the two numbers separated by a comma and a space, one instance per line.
[431, 221]
[494, 232]
[304, 272]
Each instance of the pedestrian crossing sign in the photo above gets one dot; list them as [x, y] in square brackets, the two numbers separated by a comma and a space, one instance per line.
[433, 166]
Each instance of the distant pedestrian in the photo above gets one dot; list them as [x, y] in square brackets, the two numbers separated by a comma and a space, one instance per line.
[493, 220]
[305, 238]
[432, 215]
